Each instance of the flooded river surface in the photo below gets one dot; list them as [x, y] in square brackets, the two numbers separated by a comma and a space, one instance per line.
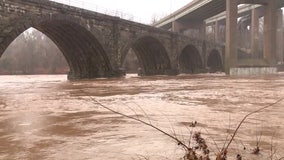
[49, 118]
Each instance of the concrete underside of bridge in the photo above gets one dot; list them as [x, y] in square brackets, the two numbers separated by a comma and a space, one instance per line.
[265, 65]
[95, 45]
[261, 53]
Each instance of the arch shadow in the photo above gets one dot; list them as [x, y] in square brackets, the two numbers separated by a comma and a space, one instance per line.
[151, 54]
[190, 61]
[214, 62]
[82, 49]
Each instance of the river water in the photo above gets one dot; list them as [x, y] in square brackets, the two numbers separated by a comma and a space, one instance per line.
[47, 117]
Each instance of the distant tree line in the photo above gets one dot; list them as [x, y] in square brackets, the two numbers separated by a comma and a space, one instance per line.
[33, 53]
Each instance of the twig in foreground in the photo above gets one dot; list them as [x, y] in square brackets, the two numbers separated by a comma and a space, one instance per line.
[143, 122]
[245, 117]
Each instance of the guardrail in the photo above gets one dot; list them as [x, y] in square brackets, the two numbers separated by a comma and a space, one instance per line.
[93, 7]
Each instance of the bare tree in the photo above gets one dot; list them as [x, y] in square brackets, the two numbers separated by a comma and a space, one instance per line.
[32, 53]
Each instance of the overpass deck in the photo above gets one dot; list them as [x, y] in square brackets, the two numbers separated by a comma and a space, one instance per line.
[202, 10]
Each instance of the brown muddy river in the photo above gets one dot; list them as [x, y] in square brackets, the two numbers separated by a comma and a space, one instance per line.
[50, 118]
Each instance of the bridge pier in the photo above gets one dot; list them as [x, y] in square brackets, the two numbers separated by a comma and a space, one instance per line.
[255, 50]
[202, 30]
[270, 32]
[216, 32]
[280, 37]
[267, 63]
[231, 35]
[187, 28]
[177, 27]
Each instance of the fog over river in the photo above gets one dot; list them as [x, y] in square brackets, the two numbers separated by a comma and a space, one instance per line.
[46, 117]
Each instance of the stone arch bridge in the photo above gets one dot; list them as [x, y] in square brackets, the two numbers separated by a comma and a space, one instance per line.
[95, 45]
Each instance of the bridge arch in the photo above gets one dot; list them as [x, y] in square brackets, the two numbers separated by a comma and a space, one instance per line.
[190, 60]
[80, 44]
[151, 54]
[214, 61]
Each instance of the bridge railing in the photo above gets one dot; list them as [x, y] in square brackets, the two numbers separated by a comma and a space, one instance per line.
[93, 7]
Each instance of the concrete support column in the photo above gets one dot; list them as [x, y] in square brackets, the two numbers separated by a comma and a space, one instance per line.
[279, 36]
[202, 30]
[231, 58]
[176, 26]
[255, 33]
[216, 32]
[270, 32]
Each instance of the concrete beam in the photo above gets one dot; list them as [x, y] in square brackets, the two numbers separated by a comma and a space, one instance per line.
[262, 2]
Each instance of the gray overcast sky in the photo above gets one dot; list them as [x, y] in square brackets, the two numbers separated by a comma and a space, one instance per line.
[142, 10]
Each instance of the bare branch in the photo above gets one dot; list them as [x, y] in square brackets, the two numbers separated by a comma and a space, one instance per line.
[245, 117]
[141, 121]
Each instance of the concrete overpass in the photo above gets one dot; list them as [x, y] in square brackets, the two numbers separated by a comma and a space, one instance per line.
[201, 10]
[195, 15]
